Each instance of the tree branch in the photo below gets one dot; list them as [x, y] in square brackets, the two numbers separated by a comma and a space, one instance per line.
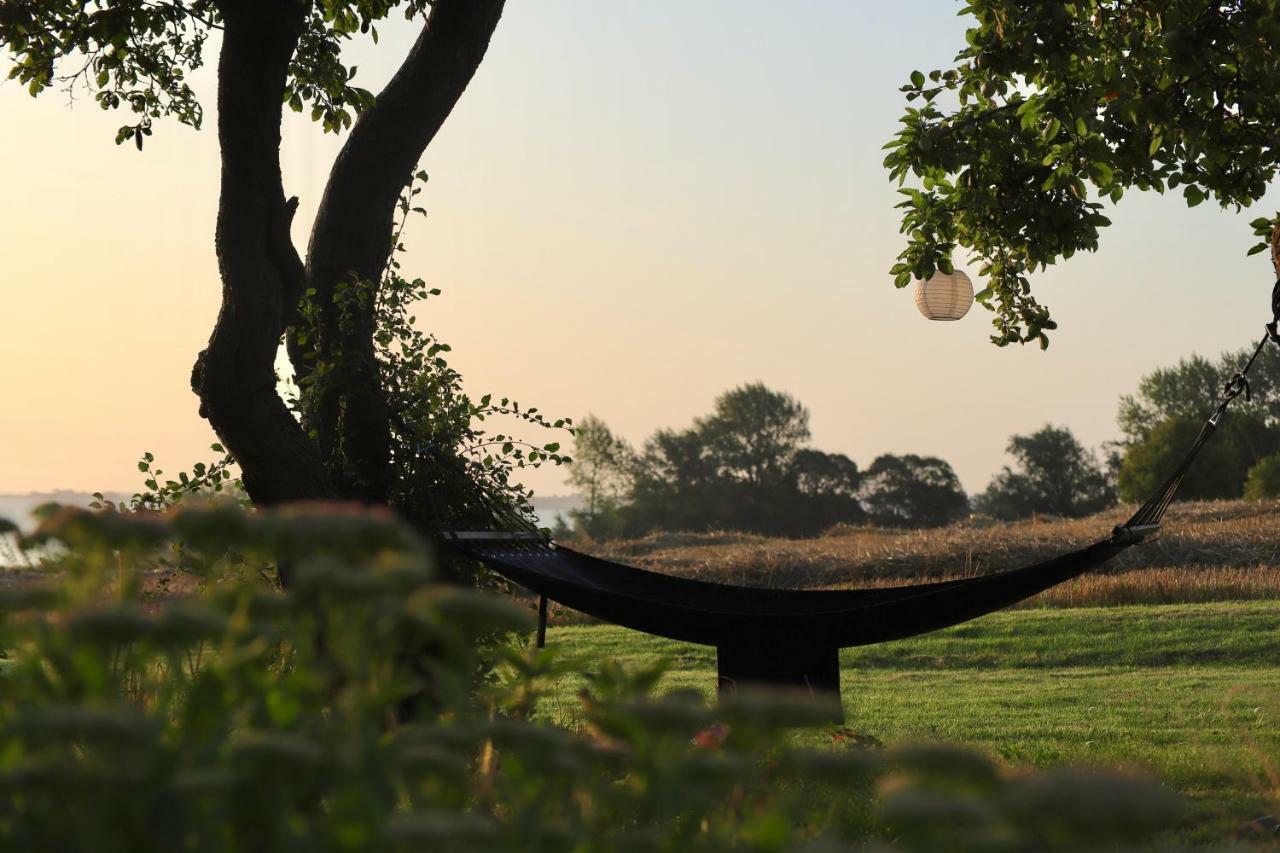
[351, 238]
[1275, 250]
[235, 375]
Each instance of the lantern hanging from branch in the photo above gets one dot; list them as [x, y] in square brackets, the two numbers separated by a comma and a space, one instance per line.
[944, 296]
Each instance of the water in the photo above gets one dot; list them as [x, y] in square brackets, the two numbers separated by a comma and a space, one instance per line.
[551, 510]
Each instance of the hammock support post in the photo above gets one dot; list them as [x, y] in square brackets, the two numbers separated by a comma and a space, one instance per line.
[542, 621]
[809, 667]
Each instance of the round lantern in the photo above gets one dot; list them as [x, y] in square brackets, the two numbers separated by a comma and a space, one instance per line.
[944, 296]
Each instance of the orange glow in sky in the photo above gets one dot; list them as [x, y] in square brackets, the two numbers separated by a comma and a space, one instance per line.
[635, 207]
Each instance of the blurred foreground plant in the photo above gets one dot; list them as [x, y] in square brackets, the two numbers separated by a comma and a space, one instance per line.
[369, 708]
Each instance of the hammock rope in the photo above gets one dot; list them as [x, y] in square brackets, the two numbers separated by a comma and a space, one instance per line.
[1154, 509]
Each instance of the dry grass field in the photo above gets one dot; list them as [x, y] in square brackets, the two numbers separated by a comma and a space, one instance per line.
[1208, 551]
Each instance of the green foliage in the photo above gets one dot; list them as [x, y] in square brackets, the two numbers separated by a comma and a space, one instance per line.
[1052, 108]
[743, 467]
[1263, 479]
[912, 491]
[208, 479]
[139, 55]
[135, 54]
[1192, 387]
[369, 708]
[1162, 418]
[817, 474]
[1219, 471]
[448, 469]
[1055, 475]
[1189, 389]
[754, 433]
[601, 472]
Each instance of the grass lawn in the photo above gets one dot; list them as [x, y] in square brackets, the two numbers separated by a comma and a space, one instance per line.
[1189, 691]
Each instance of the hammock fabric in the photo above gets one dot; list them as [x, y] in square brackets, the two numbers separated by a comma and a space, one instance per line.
[775, 636]
[792, 638]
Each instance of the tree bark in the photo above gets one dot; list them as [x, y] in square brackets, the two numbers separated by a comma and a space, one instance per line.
[1275, 251]
[260, 270]
[351, 237]
[263, 277]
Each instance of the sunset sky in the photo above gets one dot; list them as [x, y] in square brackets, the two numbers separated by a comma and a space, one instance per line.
[635, 206]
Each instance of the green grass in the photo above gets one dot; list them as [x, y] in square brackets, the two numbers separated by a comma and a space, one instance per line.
[1188, 692]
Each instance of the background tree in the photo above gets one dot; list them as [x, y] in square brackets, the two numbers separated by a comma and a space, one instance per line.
[137, 55]
[912, 491]
[1170, 405]
[828, 485]
[1263, 480]
[1055, 474]
[743, 467]
[817, 473]
[726, 472]
[1220, 470]
[753, 433]
[676, 456]
[602, 473]
[673, 486]
[1053, 107]
[1191, 388]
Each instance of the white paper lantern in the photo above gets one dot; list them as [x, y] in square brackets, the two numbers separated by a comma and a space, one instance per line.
[943, 296]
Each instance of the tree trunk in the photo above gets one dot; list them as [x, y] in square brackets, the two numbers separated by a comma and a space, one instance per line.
[351, 238]
[1275, 257]
[260, 270]
[263, 277]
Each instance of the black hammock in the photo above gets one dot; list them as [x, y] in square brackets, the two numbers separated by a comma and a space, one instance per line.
[792, 637]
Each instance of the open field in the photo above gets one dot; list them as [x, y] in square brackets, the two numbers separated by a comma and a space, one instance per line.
[1188, 692]
[1210, 551]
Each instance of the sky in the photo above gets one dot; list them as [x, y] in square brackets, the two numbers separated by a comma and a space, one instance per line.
[634, 207]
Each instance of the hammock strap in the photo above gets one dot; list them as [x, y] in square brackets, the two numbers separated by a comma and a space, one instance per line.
[1154, 509]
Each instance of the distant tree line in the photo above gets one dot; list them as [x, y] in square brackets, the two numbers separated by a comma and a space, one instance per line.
[748, 465]
[1053, 474]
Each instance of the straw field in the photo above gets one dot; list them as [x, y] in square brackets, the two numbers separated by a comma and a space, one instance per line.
[1208, 551]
